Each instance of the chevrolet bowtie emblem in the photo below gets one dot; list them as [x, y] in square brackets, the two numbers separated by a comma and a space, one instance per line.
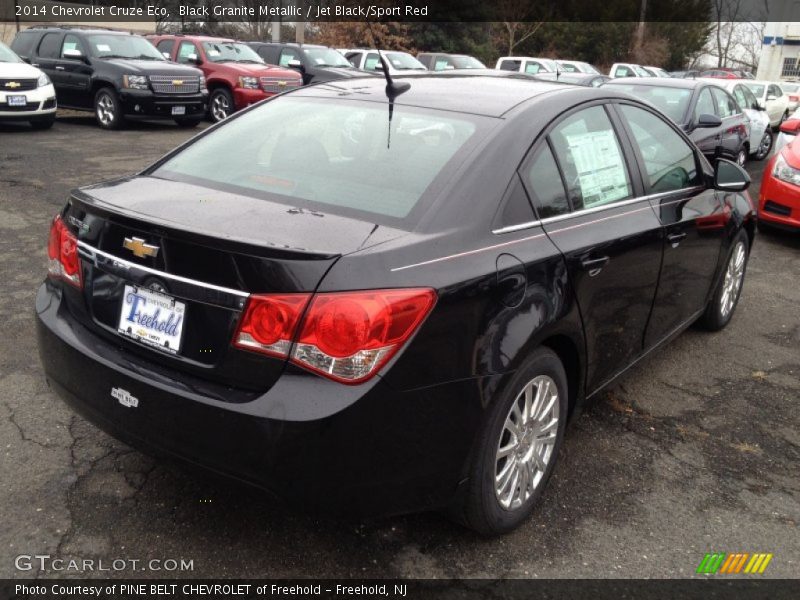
[139, 248]
[177, 82]
[13, 84]
[281, 84]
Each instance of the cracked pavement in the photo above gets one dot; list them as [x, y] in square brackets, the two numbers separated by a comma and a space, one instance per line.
[694, 450]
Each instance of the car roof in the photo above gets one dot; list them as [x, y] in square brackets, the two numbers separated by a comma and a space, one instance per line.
[456, 91]
[659, 82]
[45, 29]
[292, 44]
[190, 36]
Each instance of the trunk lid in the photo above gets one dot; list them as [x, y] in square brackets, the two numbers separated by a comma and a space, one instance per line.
[213, 249]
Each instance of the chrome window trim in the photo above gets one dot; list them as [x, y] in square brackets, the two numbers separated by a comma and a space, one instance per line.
[91, 253]
[596, 209]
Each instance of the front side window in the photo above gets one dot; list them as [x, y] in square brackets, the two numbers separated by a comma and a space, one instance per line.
[774, 90]
[669, 161]
[186, 52]
[372, 61]
[326, 57]
[591, 159]
[749, 98]
[532, 67]
[71, 42]
[287, 56]
[726, 106]
[705, 105]
[327, 155]
[741, 98]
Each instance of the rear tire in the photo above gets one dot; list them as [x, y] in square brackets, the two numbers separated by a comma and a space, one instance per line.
[108, 109]
[510, 471]
[723, 303]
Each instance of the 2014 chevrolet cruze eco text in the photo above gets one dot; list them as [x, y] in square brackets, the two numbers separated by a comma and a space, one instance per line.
[383, 300]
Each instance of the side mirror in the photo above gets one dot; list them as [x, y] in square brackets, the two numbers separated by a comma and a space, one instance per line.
[730, 177]
[791, 126]
[73, 54]
[770, 98]
[708, 121]
[295, 64]
[194, 59]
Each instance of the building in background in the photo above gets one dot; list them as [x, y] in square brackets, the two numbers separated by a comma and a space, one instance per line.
[780, 51]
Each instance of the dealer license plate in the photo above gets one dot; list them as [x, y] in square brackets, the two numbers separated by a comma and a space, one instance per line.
[178, 110]
[152, 318]
[17, 100]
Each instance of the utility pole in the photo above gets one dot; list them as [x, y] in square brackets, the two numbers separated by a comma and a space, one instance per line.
[640, 28]
[16, 15]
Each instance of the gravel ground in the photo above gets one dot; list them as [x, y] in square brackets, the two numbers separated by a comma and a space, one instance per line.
[694, 450]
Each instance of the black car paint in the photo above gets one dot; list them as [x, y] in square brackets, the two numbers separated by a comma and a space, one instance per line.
[402, 440]
[76, 81]
[725, 140]
[270, 52]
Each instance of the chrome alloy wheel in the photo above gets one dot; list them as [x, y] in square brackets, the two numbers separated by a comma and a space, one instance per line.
[105, 109]
[741, 157]
[734, 275]
[766, 144]
[526, 442]
[220, 107]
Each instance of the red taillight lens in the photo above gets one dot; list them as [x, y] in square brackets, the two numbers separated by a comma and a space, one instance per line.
[62, 253]
[348, 336]
[269, 322]
[793, 98]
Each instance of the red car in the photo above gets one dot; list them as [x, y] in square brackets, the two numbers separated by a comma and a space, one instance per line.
[779, 200]
[236, 75]
[727, 73]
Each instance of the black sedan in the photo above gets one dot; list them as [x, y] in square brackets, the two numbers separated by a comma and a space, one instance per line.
[381, 303]
[708, 113]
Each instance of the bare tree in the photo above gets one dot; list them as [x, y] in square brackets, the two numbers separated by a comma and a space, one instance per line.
[519, 25]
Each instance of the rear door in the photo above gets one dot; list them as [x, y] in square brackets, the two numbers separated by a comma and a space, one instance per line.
[611, 239]
[734, 131]
[692, 216]
[48, 52]
[77, 72]
[708, 139]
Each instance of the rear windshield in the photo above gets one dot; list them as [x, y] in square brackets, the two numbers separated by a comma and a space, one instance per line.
[673, 102]
[336, 156]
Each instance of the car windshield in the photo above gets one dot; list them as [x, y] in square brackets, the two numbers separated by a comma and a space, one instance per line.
[641, 72]
[790, 87]
[757, 88]
[335, 156]
[6, 54]
[401, 61]
[123, 46]
[673, 102]
[467, 62]
[326, 57]
[217, 52]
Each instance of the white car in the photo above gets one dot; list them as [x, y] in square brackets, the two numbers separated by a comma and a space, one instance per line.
[368, 60]
[792, 89]
[26, 93]
[770, 96]
[576, 66]
[527, 64]
[628, 70]
[761, 136]
[656, 71]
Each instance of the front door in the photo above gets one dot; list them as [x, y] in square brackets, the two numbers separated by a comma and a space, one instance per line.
[708, 139]
[608, 234]
[77, 74]
[693, 219]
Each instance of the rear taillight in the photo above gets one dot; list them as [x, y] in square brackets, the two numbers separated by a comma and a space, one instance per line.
[269, 323]
[793, 98]
[62, 253]
[345, 336]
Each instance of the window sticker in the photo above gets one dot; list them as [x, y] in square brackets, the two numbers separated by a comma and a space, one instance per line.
[600, 167]
[103, 47]
[213, 52]
[70, 45]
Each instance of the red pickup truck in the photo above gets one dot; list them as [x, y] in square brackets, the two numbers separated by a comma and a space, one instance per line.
[235, 74]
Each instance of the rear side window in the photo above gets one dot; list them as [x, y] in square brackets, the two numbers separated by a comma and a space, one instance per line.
[288, 55]
[591, 159]
[331, 156]
[669, 161]
[623, 72]
[50, 46]
[774, 90]
[726, 107]
[510, 65]
[544, 184]
[166, 46]
[23, 44]
[749, 97]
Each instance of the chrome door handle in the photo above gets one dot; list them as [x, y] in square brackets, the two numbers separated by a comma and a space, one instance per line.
[59, 68]
[34, 64]
[594, 265]
[675, 238]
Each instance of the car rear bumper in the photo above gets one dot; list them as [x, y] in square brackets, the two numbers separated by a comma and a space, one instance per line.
[385, 452]
[145, 103]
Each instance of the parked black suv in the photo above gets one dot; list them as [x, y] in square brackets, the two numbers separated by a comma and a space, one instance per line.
[115, 74]
[315, 63]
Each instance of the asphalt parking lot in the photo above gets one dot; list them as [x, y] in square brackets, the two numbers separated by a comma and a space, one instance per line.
[695, 450]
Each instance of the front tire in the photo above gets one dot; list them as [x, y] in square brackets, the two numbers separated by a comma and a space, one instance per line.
[723, 304]
[108, 109]
[220, 105]
[517, 448]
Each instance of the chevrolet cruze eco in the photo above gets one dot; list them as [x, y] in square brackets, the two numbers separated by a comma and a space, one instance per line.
[380, 299]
